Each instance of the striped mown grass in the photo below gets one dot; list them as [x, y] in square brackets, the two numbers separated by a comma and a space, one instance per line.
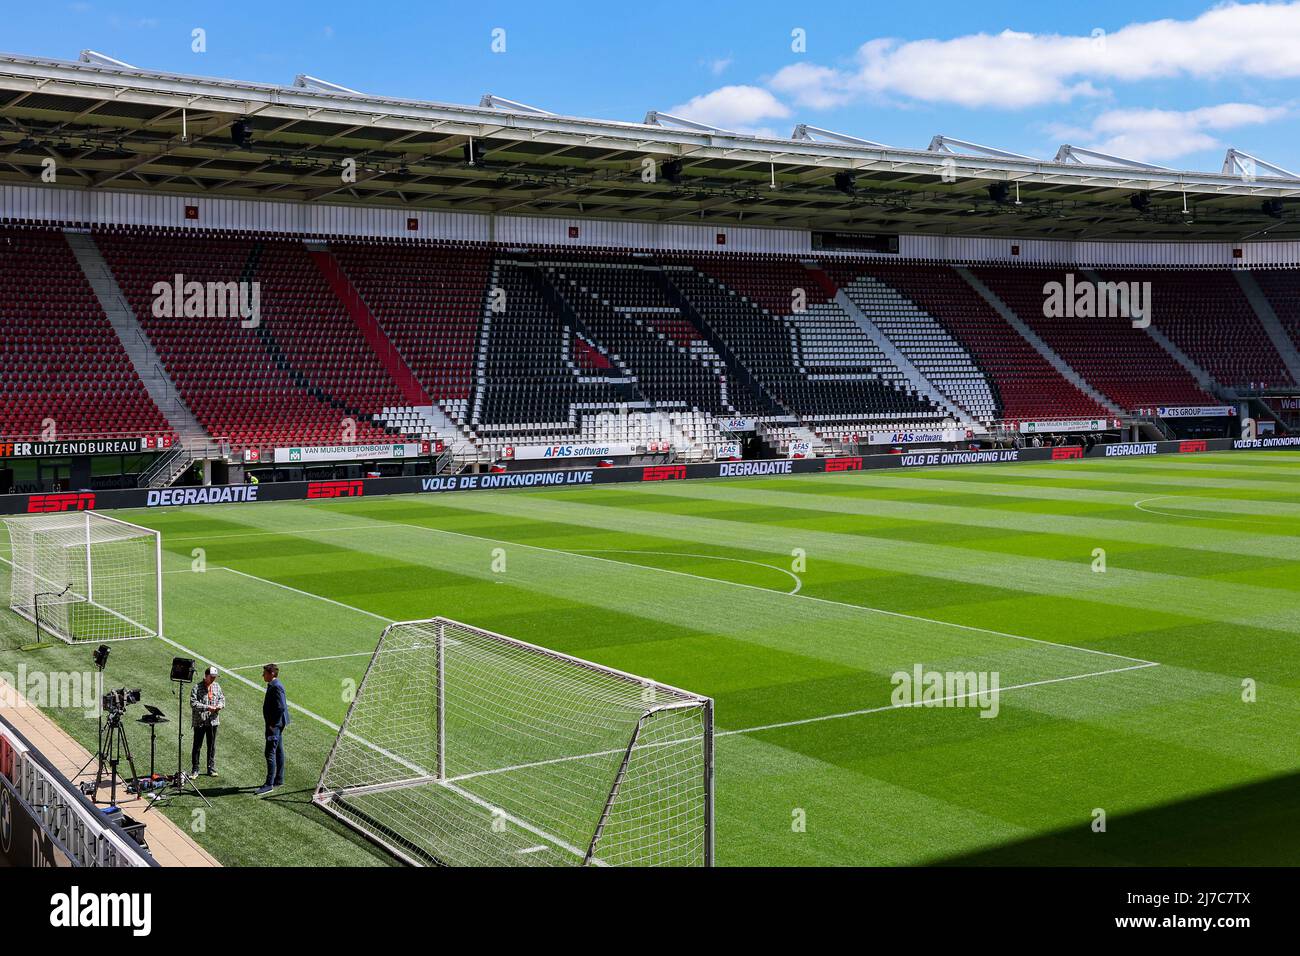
[1142, 618]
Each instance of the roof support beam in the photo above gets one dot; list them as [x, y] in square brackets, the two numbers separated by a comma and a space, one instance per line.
[305, 82]
[945, 144]
[102, 59]
[488, 101]
[816, 134]
[1240, 163]
[658, 118]
[1080, 156]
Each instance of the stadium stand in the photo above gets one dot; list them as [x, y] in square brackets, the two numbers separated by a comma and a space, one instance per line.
[1282, 289]
[816, 366]
[305, 321]
[444, 297]
[406, 339]
[294, 378]
[529, 387]
[617, 303]
[922, 338]
[1122, 362]
[1027, 386]
[429, 300]
[1205, 313]
[63, 362]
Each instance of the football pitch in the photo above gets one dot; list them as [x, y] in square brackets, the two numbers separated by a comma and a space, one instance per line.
[1140, 617]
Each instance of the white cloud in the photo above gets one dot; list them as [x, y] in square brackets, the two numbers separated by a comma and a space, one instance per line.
[1160, 135]
[719, 66]
[1015, 70]
[818, 87]
[740, 109]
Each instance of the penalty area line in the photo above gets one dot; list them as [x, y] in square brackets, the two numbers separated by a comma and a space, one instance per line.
[318, 597]
[821, 718]
[305, 660]
[926, 703]
[234, 671]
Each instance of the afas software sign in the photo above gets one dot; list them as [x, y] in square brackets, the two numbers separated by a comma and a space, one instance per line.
[937, 436]
[737, 424]
[234, 495]
[543, 452]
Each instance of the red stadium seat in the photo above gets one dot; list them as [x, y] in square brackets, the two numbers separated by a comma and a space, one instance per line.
[62, 361]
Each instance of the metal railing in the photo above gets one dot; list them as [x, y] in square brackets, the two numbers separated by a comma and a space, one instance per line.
[83, 436]
[158, 466]
[76, 827]
[172, 463]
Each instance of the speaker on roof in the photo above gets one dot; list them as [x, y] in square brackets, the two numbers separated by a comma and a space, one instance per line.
[241, 133]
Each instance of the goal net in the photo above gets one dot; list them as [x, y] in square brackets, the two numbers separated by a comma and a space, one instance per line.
[464, 747]
[83, 576]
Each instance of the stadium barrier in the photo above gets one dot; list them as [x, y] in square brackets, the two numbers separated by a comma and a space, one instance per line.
[45, 821]
[409, 485]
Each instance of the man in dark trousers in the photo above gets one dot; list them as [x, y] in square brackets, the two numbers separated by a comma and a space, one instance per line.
[275, 712]
[206, 703]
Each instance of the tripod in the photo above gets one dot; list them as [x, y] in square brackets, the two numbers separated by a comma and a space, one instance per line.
[183, 781]
[114, 743]
[100, 664]
[153, 719]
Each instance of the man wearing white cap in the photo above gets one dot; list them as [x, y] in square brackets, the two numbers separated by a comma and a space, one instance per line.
[206, 703]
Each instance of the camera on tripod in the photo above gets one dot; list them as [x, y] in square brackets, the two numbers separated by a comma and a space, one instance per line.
[115, 702]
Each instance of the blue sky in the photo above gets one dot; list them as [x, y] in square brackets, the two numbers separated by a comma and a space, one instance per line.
[1173, 83]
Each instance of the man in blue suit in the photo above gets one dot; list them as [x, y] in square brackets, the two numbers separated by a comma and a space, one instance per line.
[275, 712]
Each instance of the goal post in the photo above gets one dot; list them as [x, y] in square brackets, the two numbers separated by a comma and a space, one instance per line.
[83, 576]
[465, 747]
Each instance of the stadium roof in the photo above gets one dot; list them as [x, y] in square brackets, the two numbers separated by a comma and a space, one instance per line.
[115, 127]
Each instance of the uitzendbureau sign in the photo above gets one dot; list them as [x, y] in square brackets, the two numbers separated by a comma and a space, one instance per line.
[66, 449]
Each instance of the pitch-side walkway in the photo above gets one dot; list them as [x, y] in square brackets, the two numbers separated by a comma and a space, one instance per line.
[169, 844]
